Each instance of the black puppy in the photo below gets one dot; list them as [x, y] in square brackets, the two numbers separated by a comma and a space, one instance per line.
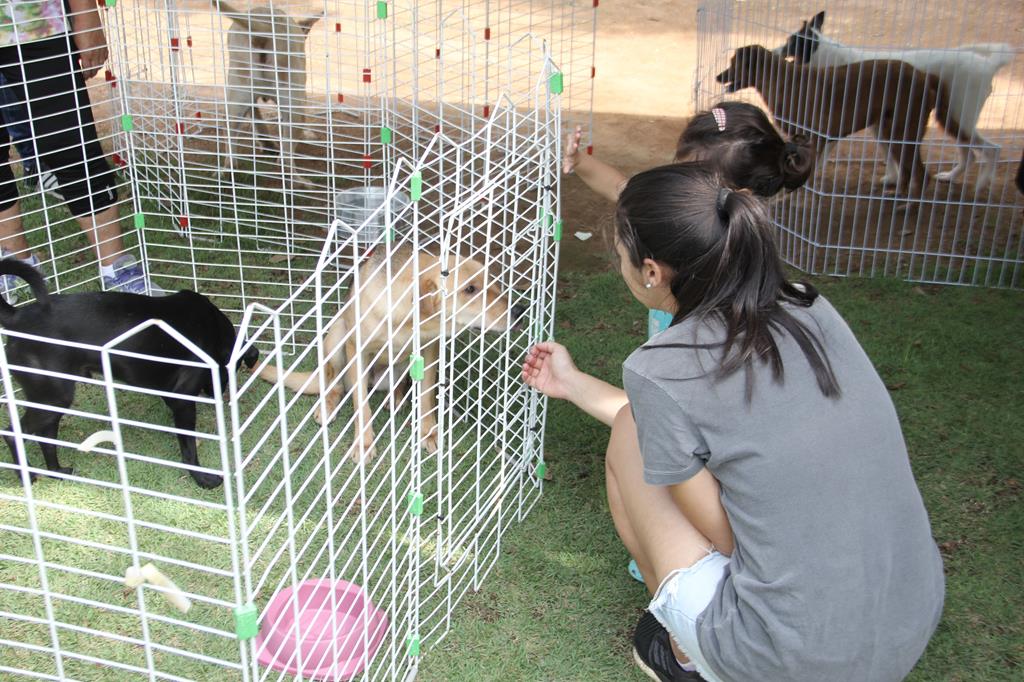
[95, 318]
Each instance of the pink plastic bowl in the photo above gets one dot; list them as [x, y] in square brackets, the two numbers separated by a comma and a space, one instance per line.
[333, 642]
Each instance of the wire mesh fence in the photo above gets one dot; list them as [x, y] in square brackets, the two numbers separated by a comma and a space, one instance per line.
[856, 79]
[382, 226]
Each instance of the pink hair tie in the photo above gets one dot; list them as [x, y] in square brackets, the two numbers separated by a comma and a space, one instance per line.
[719, 115]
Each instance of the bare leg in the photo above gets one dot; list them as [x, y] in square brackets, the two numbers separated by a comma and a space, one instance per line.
[12, 239]
[104, 232]
[648, 518]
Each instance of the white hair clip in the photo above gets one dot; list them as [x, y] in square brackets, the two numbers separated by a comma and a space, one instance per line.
[719, 115]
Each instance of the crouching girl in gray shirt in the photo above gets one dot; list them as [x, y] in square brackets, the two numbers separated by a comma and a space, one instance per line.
[757, 473]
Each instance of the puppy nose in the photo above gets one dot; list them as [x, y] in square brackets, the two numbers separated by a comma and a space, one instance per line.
[517, 311]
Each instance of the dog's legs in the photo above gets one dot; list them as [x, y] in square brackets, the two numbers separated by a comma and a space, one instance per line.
[44, 424]
[240, 106]
[41, 422]
[428, 421]
[956, 171]
[362, 448]
[892, 169]
[333, 387]
[184, 412]
[907, 155]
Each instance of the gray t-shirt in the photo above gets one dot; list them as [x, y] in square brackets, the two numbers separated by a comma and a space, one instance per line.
[835, 575]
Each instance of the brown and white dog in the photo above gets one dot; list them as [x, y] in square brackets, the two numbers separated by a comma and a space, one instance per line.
[266, 59]
[832, 102]
[384, 326]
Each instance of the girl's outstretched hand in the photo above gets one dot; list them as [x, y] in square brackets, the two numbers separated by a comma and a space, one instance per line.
[571, 156]
[549, 369]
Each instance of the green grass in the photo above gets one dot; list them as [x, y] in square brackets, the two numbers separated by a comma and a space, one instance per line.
[560, 605]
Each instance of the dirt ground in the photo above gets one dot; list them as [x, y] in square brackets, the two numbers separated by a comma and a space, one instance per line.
[646, 66]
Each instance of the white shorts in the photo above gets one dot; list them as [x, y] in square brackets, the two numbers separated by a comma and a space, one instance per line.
[682, 597]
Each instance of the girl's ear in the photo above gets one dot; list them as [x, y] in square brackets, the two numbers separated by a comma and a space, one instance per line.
[656, 273]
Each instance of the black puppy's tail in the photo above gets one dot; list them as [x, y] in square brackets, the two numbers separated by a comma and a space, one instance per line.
[13, 266]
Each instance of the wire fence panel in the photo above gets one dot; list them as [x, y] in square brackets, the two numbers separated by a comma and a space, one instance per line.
[855, 78]
[370, 192]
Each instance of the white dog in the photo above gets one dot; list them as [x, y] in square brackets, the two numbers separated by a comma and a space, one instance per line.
[266, 59]
[967, 70]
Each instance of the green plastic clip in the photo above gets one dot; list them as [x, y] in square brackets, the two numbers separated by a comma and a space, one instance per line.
[413, 646]
[542, 469]
[245, 621]
[385, 135]
[556, 83]
[127, 124]
[382, 9]
[416, 504]
[558, 231]
[111, 3]
[416, 186]
[416, 367]
[140, 221]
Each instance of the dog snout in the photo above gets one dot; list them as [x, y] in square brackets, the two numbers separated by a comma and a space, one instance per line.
[517, 311]
[251, 356]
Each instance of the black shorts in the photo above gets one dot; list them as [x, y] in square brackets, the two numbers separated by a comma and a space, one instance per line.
[43, 74]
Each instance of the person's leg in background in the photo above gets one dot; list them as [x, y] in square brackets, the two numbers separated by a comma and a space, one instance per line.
[66, 142]
[15, 120]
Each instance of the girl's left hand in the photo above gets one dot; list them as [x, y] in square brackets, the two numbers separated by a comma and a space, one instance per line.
[549, 368]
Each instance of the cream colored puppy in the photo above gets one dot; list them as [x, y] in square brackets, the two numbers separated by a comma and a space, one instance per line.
[471, 297]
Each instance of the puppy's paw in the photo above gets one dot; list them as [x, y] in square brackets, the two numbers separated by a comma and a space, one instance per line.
[362, 451]
[57, 473]
[429, 441]
[205, 480]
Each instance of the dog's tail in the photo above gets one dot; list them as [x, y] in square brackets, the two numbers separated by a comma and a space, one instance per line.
[997, 55]
[13, 266]
[947, 120]
[307, 383]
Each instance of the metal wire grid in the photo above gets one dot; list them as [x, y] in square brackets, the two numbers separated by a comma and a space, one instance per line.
[292, 506]
[843, 222]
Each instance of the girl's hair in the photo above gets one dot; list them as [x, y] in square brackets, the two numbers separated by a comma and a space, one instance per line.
[746, 149]
[720, 245]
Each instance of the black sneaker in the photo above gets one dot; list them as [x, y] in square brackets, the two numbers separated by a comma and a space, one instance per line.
[653, 653]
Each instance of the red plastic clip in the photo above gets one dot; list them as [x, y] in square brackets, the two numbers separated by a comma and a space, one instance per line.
[175, 44]
[341, 98]
[590, 150]
[597, 2]
[366, 75]
[437, 53]
[593, 71]
[183, 222]
[367, 162]
[487, 33]
[199, 114]
[180, 127]
[437, 128]
[188, 41]
[118, 161]
[487, 111]
[110, 78]
[337, 27]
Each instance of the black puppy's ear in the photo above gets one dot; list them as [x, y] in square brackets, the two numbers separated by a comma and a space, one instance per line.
[818, 21]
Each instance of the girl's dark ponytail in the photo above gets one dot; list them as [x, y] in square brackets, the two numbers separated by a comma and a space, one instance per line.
[746, 149]
[797, 161]
[721, 246]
